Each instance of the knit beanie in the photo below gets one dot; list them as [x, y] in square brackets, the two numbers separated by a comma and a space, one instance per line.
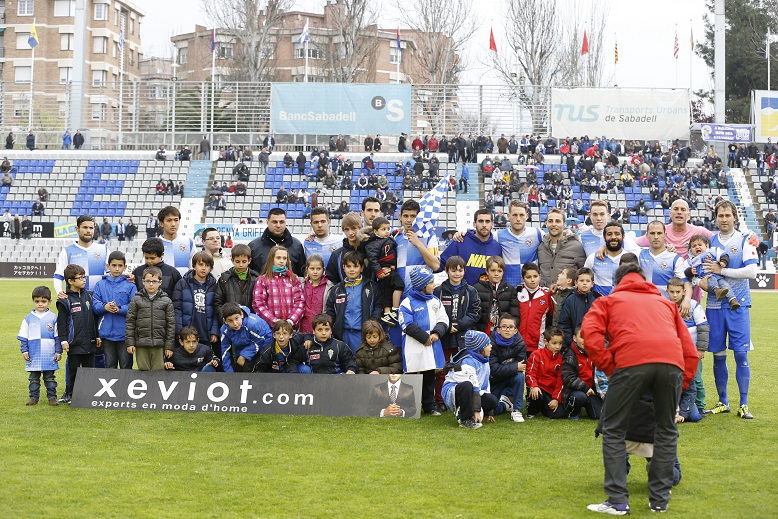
[421, 277]
[476, 341]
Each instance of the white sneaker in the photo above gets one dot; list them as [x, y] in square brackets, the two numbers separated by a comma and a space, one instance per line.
[516, 416]
[507, 402]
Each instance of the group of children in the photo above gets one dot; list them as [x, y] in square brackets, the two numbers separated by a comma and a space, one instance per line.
[496, 337]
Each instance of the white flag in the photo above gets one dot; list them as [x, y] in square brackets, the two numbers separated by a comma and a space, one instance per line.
[304, 36]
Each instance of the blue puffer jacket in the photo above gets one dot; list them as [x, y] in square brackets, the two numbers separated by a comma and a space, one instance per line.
[113, 326]
[250, 340]
[184, 303]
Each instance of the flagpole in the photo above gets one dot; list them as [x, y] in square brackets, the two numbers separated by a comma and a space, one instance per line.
[306, 38]
[32, 76]
[691, 56]
[767, 51]
[121, 81]
[213, 82]
[399, 54]
[676, 56]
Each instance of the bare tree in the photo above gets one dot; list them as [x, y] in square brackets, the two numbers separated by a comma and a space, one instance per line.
[250, 22]
[355, 39]
[544, 50]
[440, 32]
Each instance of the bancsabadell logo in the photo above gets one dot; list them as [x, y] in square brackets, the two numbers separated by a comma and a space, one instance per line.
[392, 106]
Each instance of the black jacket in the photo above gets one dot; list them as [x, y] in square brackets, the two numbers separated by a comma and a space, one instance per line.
[262, 245]
[380, 252]
[78, 140]
[231, 289]
[334, 270]
[268, 361]
[503, 362]
[184, 361]
[331, 357]
[463, 307]
[336, 305]
[506, 299]
[574, 308]
[76, 322]
[170, 276]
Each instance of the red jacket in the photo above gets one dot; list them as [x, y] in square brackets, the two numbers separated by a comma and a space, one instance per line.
[641, 326]
[534, 311]
[545, 371]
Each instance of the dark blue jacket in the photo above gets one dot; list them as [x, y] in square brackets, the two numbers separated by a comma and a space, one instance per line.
[336, 304]
[330, 358]
[76, 322]
[185, 305]
[574, 308]
[504, 360]
[463, 307]
[119, 290]
[184, 361]
[474, 252]
[252, 338]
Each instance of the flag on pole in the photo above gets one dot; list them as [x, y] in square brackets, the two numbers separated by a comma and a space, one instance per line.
[121, 40]
[585, 46]
[213, 40]
[430, 203]
[691, 38]
[399, 45]
[492, 43]
[616, 53]
[32, 41]
[675, 46]
[304, 36]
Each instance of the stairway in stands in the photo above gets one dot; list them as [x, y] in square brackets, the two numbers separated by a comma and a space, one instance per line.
[196, 185]
[740, 192]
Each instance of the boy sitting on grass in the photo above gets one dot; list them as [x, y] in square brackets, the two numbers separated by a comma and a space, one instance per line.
[190, 354]
[544, 376]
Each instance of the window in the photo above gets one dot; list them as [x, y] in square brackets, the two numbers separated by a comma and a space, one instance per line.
[20, 109]
[64, 74]
[183, 56]
[22, 74]
[98, 78]
[116, 17]
[26, 8]
[132, 26]
[313, 53]
[64, 7]
[21, 41]
[394, 55]
[98, 111]
[99, 44]
[132, 57]
[224, 51]
[65, 41]
[101, 12]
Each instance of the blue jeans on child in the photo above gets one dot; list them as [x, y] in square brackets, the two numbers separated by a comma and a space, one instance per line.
[48, 380]
[512, 388]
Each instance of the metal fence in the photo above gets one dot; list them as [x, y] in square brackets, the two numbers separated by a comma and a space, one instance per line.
[145, 114]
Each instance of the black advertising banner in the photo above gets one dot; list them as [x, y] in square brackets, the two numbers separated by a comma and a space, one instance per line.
[39, 230]
[249, 393]
[27, 270]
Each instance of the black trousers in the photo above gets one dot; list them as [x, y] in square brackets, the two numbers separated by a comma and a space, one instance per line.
[540, 406]
[75, 361]
[464, 397]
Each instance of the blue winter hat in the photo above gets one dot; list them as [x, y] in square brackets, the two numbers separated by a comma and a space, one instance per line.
[476, 341]
[421, 277]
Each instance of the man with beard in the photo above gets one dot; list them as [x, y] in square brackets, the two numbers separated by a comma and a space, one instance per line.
[604, 268]
[85, 252]
[659, 264]
[321, 241]
[476, 246]
[277, 234]
[519, 242]
[558, 250]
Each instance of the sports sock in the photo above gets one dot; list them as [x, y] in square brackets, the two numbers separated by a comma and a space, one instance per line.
[721, 375]
[742, 375]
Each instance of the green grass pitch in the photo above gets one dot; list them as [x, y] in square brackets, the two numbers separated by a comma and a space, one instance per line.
[63, 462]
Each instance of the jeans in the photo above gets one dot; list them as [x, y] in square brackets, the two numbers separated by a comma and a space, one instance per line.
[463, 399]
[48, 380]
[626, 386]
[116, 355]
[577, 400]
[263, 168]
[512, 388]
[688, 407]
[206, 155]
[208, 369]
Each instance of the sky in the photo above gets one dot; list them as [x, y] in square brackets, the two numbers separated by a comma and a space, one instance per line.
[645, 36]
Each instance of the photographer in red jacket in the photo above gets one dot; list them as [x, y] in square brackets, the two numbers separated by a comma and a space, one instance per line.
[649, 351]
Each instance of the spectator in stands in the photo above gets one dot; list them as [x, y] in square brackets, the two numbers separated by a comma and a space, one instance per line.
[10, 140]
[67, 140]
[292, 197]
[368, 163]
[241, 172]
[160, 153]
[185, 154]
[500, 220]
[78, 139]
[106, 229]
[402, 143]
[7, 216]
[361, 182]
[269, 142]
[240, 189]
[5, 166]
[130, 230]
[30, 141]
[288, 160]
[151, 226]
[264, 160]
[221, 203]
[169, 187]
[121, 229]
[160, 188]
[7, 180]
[377, 143]
[16, 228]
[180, 188]
[205, 148]
[340, 144]
[43, 194]
[281, 198]
[38, 209]
[368, 142]
[26, 228]
[247, 155]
